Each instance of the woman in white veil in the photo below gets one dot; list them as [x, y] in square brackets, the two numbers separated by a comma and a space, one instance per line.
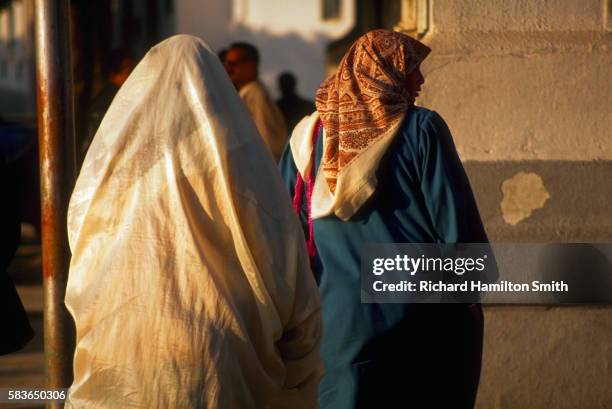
[189, 282]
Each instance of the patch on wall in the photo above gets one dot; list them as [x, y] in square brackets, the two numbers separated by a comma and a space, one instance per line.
[522, 194]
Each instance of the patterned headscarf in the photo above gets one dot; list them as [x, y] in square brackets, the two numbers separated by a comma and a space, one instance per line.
[366, 97]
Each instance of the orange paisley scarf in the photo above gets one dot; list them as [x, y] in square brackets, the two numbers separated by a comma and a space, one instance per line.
[366, 97]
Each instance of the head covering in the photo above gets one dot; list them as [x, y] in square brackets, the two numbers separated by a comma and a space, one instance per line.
[361, 107]
[189, 282]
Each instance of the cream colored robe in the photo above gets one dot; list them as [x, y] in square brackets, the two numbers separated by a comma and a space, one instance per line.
[189, 282]
[267, 116]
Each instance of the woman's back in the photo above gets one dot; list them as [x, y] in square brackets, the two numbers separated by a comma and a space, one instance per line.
[372, 351]
[189, 282]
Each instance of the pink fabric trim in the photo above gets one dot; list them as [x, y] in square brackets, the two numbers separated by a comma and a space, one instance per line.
[299, 191]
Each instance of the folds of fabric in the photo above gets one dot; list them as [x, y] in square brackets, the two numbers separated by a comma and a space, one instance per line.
[267, 116]
[358, 182]
[189, 282]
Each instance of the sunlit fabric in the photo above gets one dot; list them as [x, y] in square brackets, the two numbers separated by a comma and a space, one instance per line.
[189, 281]
[267, 116]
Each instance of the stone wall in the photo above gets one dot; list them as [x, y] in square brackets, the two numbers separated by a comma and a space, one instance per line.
[525, 88]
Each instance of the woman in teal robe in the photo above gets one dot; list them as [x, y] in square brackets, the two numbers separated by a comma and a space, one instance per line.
[386, 355]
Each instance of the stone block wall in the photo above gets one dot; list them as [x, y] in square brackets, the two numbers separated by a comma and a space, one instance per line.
[525, 88]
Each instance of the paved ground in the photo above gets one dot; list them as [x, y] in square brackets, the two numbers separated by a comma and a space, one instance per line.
[25, 369]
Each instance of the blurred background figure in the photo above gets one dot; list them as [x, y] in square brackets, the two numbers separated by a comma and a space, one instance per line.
[120, 65]
[241, 63]
[290, 103]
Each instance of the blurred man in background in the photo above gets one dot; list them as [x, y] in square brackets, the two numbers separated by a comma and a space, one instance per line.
[241, 63]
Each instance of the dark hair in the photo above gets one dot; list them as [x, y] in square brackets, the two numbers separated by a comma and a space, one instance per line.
[250, 51]
[286, 82]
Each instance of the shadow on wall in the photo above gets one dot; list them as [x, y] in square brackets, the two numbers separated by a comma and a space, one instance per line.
[586, 270]
[305, 57]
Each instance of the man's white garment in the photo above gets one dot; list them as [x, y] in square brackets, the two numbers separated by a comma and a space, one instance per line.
[267, 116]
[189, 281]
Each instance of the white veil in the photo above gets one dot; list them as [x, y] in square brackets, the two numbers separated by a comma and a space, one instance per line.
[189, 281]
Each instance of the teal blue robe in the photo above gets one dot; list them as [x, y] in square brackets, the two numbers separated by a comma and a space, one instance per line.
[398, 355]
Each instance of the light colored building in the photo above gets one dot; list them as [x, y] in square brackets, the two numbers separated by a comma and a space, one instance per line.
[290, 34]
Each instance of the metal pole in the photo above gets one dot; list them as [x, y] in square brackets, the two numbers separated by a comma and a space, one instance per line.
[57, 175]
